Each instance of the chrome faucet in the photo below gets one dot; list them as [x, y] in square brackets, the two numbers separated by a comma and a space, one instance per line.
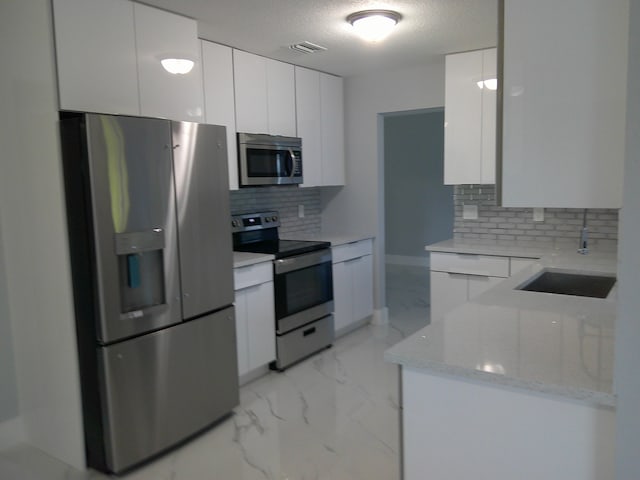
[583, 248]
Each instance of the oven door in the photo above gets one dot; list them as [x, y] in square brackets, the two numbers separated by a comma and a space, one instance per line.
[303, 288]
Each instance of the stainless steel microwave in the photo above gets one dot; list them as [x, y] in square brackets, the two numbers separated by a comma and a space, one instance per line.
[269, 160]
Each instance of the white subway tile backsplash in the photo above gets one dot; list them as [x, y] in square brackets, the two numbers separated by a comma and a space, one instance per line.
[560, 225]
[284, 199]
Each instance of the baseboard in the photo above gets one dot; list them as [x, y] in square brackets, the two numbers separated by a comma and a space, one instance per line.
[354, 326]
[407, 260]
[12, 432]
[253, 375]
[380, 316]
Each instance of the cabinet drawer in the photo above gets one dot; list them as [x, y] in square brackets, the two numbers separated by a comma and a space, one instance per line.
[244, 277]
[487, 265]
[351, 250]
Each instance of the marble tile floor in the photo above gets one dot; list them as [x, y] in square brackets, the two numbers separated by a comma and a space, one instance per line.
[331, 417]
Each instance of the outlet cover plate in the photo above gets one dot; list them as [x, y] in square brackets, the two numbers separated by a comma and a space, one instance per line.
[470, 212]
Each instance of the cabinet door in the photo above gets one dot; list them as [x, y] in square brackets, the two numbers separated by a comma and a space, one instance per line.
[281, 98]
[463, 118]
[242, 334]
[480, 284]
[342, 295]
[362, 269]
[448, 290]
[332, 104]
[250, 81]
[261, 325]
[159, 35]
[96, 56]
[564, 103]
[489, 106]
[308, 110]
[217, 74]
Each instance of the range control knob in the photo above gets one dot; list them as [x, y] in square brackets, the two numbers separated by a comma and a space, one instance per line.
[267, 219]
[234, 223]
[274, 218]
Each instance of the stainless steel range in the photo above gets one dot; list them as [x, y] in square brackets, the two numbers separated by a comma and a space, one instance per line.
[303, 285]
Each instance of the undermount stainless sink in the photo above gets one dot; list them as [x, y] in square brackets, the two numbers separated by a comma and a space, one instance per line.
[564, 283]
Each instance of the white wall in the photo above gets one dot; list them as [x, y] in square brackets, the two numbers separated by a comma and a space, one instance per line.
[627, 377]
[34, 234]
[359, 206]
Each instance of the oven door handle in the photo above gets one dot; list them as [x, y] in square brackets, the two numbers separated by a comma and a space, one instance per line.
[285, 265]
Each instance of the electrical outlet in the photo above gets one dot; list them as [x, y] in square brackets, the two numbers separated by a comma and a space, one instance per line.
[538, 214]
[470, 212]
[300, 211]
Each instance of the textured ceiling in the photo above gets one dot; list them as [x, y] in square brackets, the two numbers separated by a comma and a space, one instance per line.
[429, 29]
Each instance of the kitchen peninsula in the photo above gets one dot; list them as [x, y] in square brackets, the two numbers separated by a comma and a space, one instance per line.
[513, 383]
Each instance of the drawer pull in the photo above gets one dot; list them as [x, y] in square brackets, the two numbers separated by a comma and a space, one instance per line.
[309, 331]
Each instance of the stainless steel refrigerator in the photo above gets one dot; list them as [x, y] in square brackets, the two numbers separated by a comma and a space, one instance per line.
[150, 240]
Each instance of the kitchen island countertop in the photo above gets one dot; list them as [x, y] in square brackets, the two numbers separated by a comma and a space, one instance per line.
[544, 343]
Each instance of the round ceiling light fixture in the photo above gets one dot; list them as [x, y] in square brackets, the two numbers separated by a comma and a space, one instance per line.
[177, 66]
[374, 25]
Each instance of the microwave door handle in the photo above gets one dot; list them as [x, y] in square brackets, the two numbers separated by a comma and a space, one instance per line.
[291, 163]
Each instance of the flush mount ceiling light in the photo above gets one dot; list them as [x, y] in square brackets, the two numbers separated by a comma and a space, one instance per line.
[177, 66]
[374, 25]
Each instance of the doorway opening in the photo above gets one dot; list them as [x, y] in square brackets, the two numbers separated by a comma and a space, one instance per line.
[418, 210]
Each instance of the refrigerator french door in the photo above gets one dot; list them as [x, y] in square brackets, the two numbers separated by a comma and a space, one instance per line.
[147, 205]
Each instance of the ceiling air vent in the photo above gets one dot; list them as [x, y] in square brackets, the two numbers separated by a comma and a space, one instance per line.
[307, 47]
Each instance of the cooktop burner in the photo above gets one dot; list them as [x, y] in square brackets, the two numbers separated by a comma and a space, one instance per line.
[258, 233]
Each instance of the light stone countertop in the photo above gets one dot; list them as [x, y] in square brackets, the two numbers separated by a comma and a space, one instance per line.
[335, 238]
[505, 248]
[545, 343]
[244, 259]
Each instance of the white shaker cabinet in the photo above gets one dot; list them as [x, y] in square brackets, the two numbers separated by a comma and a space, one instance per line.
[320, 122]
[309, 119]
[160, 35]
[255, 317]
[96, 56]
[457, 278]
[470, 117]
[217, 74]
[564, 103]
[352, 284]
[332, 123]
[264, 95]
[281, 99]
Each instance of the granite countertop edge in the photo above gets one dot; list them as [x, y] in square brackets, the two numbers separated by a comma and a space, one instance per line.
[246, 259]
[585, 396]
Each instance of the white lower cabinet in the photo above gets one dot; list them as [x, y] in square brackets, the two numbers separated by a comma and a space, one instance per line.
[352, 284]
[457, 278]
[255, 324]
[448, 290]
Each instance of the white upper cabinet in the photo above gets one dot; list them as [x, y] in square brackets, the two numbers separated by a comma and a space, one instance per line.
[564, 103]
[250, 80]
[320, 121]
[161, 35]
[281, 99]
[332, 98]
[96, 57]
[470, 117]
[309, 118]
[217, 73]
[264, 95]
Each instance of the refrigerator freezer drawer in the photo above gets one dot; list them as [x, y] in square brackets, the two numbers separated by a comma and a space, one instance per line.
[161, 388]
